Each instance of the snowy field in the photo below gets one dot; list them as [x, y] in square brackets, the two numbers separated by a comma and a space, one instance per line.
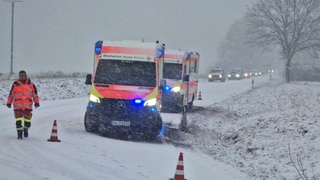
[270, 131]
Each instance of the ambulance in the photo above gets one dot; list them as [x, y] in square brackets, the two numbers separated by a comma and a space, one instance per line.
[126, 89]
[180, 70]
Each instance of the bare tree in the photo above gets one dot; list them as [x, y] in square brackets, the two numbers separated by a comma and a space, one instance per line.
[292, 25]
[234, 52]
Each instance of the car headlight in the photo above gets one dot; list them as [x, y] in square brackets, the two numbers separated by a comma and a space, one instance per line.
[209, 76]
[229, 75]
[150, 102]
[237, 75]
[220, 76]
[176, 89]
[94, 99]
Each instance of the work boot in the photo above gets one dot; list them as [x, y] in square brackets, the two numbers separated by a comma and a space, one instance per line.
[25, 133]
[19, 134]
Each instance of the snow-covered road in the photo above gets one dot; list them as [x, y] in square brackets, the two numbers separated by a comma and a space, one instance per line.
[82, 155]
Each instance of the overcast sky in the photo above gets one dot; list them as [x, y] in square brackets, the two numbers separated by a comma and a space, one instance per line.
[59, 35]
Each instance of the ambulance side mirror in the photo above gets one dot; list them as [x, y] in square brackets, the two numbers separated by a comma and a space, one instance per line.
[186, 78]
[88, 79]
[163, 84]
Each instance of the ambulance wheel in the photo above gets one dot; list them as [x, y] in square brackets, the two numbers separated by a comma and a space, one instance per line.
[155, 130]
[89, 126]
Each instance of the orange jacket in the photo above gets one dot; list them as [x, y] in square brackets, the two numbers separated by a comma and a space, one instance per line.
[23, 95]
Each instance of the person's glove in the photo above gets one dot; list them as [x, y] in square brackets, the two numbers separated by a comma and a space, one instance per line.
[9, 105]
[36, 105]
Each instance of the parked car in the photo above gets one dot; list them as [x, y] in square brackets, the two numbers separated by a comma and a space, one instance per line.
[235, 73]
[217, 74]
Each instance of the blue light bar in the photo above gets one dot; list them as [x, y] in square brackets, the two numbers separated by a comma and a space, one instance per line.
[98, 47]
[167, 88]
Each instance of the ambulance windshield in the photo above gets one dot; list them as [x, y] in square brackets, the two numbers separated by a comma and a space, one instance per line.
[172, 70]
[126, 72]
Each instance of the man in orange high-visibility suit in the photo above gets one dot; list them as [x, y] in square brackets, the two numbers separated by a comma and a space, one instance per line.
[22, 94]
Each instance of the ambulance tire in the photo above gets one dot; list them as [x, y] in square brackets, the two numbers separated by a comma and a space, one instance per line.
[90, 127]
[179, 106]
[152, 135]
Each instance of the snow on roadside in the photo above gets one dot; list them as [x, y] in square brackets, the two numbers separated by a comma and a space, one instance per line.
[253, 131]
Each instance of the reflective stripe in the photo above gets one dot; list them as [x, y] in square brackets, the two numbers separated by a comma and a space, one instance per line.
[180, 163]
[18, 94]
[27, 120]
[20, 105]
[19, 119]
[179, 172]
[54, 134]
[22, 123]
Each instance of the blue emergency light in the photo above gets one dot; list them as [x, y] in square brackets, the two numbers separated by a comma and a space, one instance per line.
[167, 88]
[186, 56]
[138, 101]
[91, 105]
[98, 47]
[160, 53]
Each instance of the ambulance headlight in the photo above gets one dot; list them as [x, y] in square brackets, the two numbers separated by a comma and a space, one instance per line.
[151, 102]
[94, 99]
[176, 89]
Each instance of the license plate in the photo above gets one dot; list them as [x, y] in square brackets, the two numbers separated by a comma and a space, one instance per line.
[120, 123]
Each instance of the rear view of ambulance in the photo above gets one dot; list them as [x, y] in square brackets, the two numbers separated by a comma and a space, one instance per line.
[126, 87]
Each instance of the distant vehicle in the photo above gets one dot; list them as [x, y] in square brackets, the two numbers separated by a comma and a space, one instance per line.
[217, 74]
[235, 74]
[255, 73]
[246, 74]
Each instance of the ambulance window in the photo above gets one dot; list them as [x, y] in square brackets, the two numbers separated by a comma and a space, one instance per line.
[192, 67]
[136, 73]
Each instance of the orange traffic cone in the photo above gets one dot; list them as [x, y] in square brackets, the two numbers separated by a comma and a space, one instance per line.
[199, 97]
[179, 175]
[54, 133]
